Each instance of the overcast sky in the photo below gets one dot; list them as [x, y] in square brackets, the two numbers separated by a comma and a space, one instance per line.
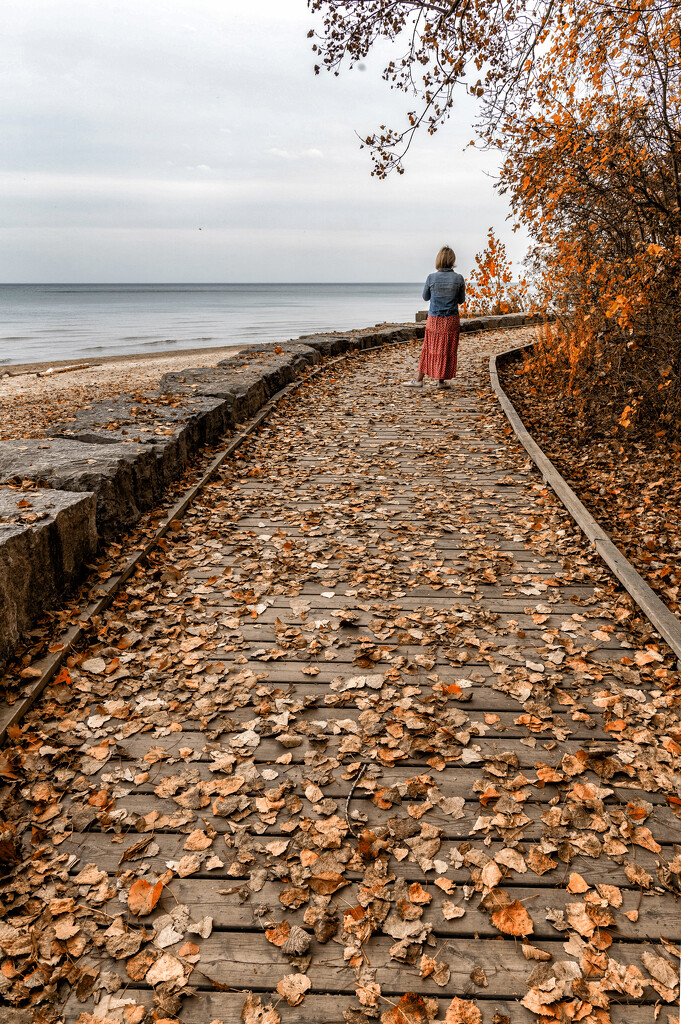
[189, 140]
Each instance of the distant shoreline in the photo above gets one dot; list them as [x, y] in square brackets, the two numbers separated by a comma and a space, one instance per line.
[52, 323]
[221, 352]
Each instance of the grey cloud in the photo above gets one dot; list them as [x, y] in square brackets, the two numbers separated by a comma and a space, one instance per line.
[127, 129]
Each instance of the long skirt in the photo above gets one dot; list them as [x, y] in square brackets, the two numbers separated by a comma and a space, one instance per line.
[440, 347]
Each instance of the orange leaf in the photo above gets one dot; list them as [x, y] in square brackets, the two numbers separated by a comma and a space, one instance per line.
[327, 882]
[143, 897]
[278, 934]
[411, 1009]
[513, 920]
[463, 1011]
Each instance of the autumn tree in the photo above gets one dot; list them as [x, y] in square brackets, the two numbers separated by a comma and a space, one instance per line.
[594, 172]
[583, 101]
[488, 47]
[491, 288]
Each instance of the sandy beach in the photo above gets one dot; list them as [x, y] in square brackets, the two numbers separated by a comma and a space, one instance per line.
[30, 403]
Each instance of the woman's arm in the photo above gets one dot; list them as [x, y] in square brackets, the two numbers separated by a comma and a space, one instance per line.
[462, 292]
[426, 290]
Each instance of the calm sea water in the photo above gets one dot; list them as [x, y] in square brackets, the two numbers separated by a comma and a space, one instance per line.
[40, 322]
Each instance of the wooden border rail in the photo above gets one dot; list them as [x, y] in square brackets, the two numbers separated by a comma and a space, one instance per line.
[664, 620]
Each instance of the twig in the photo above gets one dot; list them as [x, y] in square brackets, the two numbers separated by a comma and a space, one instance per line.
[61, 369]
[363, 767]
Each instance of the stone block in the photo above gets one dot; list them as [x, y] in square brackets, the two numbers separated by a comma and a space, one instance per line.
[47, 537]
[126, 478]
[246, 381]
[329, 344]
[176, 426]
[275, 365]
[146, 419]
[386, 336]
[241, 391]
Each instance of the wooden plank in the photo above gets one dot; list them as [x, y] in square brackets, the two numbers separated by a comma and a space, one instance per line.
[226, 1007]
[106, 850]
[504, 729]
[246, 960]
[252, 638]
[456, 780]
[234, 907]
[665, 826]
[425, 595]
[479, 697]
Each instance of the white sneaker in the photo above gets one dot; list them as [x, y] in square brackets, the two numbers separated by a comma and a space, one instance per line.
[412, 384]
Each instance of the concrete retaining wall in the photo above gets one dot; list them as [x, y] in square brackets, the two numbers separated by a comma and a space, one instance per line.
[100, 472]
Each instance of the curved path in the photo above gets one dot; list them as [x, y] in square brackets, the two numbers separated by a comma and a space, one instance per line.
[375, 681]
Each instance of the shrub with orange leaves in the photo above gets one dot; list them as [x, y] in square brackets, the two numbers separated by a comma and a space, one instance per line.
[490, 289]
[593, 169]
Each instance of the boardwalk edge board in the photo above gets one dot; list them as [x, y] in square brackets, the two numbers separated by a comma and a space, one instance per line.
[664, 620]
[113, 480]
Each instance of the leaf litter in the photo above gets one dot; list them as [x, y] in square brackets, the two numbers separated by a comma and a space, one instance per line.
[376, 700]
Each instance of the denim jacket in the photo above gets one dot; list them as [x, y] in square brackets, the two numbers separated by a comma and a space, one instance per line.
[445, 289]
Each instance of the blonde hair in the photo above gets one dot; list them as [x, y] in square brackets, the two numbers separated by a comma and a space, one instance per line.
[445, 259]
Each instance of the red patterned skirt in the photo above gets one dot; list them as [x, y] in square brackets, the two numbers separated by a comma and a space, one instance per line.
[440, 347]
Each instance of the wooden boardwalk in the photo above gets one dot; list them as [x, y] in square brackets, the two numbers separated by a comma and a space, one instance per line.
[381, 724]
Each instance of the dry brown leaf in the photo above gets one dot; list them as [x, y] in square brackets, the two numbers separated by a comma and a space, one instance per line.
[253, 1012]
[661, 970]
[278, 934]
[411, 1009]
[327, 882]
[463, 1011]
[513, 920]
[576, 884]
[143, 897]
[437, 969]
[534, 953]
[137, 966]
[166, 969]
[197, 840]
[293, 988]
[491, 875]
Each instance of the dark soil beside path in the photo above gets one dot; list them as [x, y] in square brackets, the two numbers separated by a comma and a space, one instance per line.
[631, 483]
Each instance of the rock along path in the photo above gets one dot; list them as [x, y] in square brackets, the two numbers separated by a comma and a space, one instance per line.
[375, 737]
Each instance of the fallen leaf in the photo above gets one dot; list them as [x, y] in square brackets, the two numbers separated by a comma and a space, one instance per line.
[513, 920]
[293, 988]
[143, 897]
[463, 1011]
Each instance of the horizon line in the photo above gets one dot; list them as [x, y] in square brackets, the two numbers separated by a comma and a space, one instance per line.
[212, 284]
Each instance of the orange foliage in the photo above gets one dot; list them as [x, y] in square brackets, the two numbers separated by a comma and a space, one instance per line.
[584, 103]
[595, 174]
[490, 288]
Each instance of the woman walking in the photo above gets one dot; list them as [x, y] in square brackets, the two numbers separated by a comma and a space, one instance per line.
[445, 289]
